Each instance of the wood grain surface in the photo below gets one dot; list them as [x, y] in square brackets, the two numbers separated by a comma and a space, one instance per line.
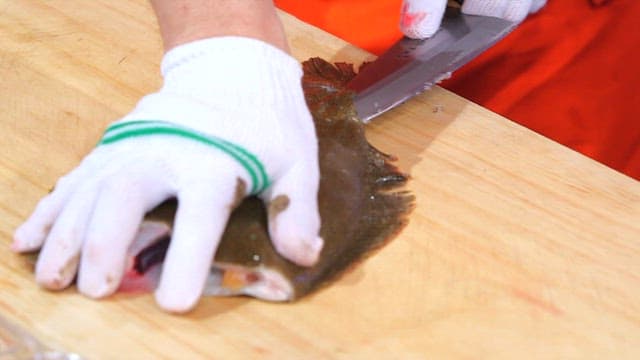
[518, 247]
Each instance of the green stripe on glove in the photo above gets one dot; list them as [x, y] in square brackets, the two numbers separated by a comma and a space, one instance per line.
[125, 130]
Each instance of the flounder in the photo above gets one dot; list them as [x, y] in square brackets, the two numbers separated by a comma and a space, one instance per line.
[361, 204]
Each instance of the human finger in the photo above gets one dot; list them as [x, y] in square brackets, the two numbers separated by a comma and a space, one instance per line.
[294, 222]
[202, 215]
[58, 261]
[116, 218]
[420, 19]
[32, 233]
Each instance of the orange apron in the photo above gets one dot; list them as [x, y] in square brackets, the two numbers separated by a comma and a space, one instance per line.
[570, 72]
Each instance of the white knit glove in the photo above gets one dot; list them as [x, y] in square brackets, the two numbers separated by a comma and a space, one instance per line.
[230, 120]
[420, 19]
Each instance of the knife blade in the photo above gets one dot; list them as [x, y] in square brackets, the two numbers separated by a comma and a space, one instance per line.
[412, 66]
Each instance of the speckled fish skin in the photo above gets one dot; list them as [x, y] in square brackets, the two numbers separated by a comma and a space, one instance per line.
[361, 203]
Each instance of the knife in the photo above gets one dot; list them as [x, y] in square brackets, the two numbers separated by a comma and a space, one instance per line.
[412, 66]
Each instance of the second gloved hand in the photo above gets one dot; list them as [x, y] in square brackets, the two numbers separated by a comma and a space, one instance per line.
[230, 120]
[420, 19]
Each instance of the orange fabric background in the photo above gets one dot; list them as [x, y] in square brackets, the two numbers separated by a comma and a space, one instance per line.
[570, 72]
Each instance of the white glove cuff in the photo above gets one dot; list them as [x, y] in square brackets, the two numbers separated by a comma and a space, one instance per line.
[227, 70]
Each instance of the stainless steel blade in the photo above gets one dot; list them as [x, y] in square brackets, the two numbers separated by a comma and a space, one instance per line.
[412, 66]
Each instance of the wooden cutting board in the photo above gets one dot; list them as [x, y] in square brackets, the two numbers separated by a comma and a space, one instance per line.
[518, 247]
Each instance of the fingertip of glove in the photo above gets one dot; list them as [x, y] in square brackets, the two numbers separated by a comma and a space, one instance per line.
[419, 28]
[56, 278]
[420, 20]
[294, 226]
[305, 252]
[418, 34]
[313, 249]
[23, 239]
[175, 301]
[97, 287]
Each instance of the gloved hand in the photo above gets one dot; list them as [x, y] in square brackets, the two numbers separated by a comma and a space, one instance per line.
[420, 19]
[230, 120]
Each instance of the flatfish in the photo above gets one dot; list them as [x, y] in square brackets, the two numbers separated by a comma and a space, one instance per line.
[361, 198]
